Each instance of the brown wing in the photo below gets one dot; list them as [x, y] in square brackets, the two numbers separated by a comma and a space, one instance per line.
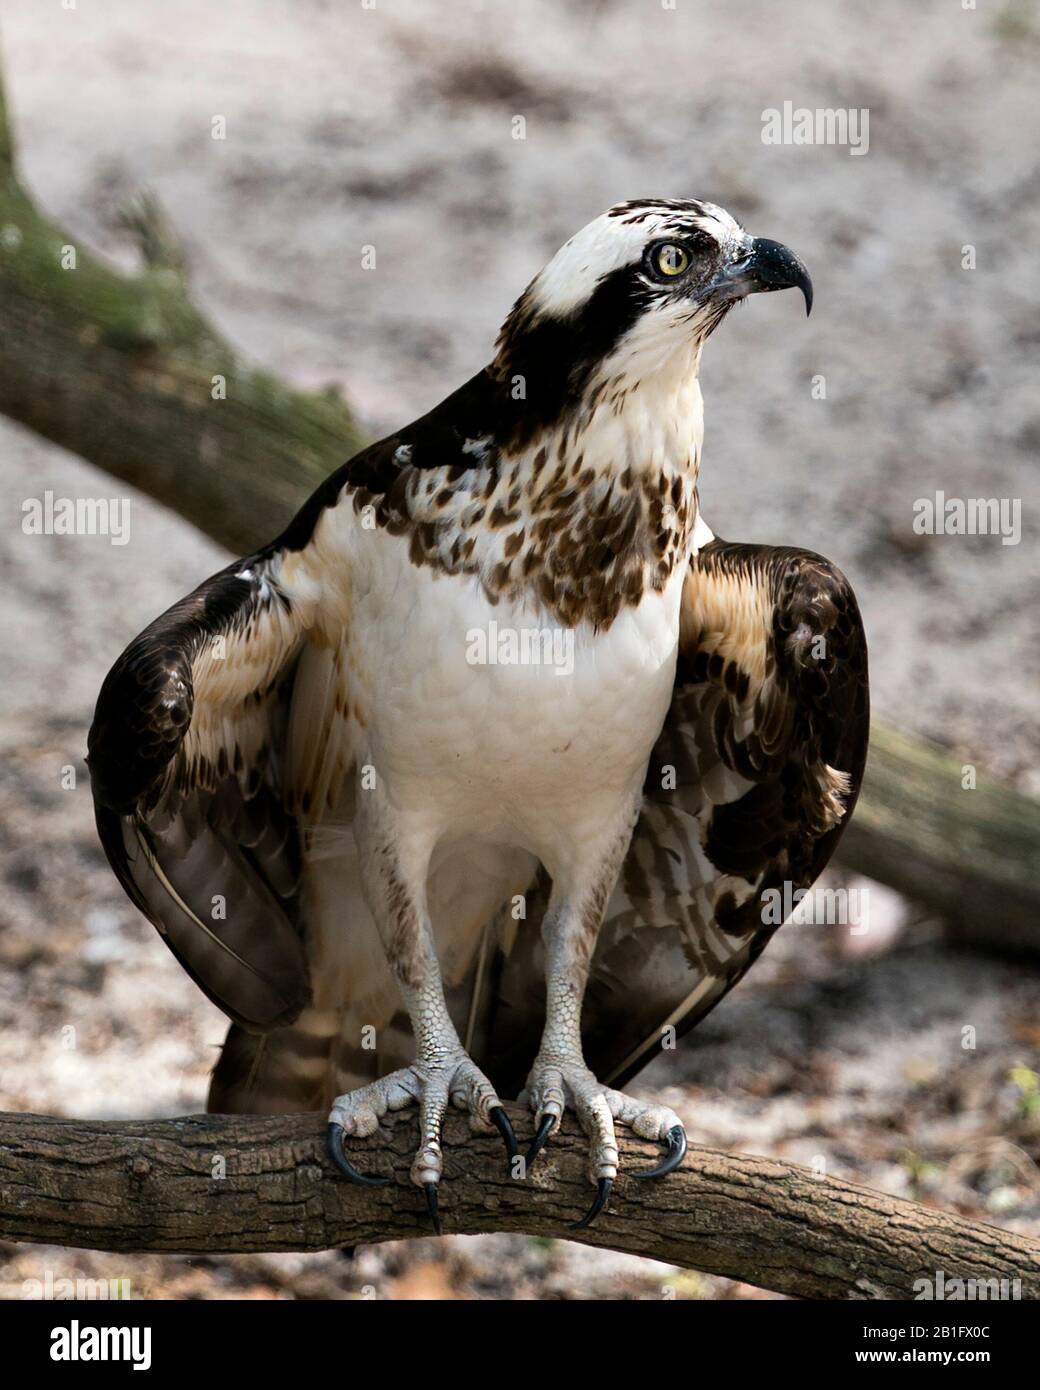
[186, 756]
[752, 779]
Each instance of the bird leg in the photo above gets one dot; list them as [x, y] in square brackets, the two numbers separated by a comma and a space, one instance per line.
[559, 1078]
[442, 1070]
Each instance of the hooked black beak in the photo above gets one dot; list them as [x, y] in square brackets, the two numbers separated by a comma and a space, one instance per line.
[764, 265]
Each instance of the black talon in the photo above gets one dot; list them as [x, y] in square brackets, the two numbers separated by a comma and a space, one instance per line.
[602, 1193]
[538, 1142]
[676, 1138]
[334, 1143]
[500, 1120]
[431, 1202]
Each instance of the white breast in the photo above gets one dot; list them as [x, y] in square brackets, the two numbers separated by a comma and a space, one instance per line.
[488, 720]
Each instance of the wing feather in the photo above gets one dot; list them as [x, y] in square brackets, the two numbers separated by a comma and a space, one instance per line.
[754, 775]
[186, 755]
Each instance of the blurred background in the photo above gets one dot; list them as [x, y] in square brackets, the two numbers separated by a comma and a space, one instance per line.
[393, 127]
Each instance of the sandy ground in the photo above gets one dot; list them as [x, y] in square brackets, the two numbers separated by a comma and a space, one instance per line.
[392, 128]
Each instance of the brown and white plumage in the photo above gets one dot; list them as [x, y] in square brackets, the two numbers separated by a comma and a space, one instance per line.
[186, 761]
[330, 814]
[750, 784]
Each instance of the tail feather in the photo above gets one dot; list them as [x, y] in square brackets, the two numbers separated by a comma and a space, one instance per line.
[306, 1066]
[275, 1073]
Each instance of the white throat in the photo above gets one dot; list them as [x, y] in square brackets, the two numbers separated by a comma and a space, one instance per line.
[643, 411]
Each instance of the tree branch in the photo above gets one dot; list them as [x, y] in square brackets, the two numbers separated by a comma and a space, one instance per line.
[125, 371]
[220, 1183]
[971, 856]
[7, 162]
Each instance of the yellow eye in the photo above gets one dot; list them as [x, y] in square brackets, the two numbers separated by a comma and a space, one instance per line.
[671, 259]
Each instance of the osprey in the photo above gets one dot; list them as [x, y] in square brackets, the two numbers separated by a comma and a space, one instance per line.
[370, 808]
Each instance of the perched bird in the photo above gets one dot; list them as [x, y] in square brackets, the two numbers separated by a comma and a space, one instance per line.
[497, 707]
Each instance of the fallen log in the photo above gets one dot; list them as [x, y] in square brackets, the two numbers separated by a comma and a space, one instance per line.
[210, 1183]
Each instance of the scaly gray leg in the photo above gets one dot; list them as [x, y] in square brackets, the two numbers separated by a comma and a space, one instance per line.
[559, 1077]
[442, 1071]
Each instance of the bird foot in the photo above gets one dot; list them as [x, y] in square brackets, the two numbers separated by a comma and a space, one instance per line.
[555, 1085]
[453, 1077]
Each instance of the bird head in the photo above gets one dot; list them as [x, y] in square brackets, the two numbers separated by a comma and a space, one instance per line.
[642, 285]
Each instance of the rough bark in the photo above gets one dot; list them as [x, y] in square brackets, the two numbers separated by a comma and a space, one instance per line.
[218, 1183]
[120, 370]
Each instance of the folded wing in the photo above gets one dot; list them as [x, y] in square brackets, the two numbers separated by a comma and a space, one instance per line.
[187, 762]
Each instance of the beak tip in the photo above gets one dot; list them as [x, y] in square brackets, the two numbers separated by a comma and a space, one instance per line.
[774, 266]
